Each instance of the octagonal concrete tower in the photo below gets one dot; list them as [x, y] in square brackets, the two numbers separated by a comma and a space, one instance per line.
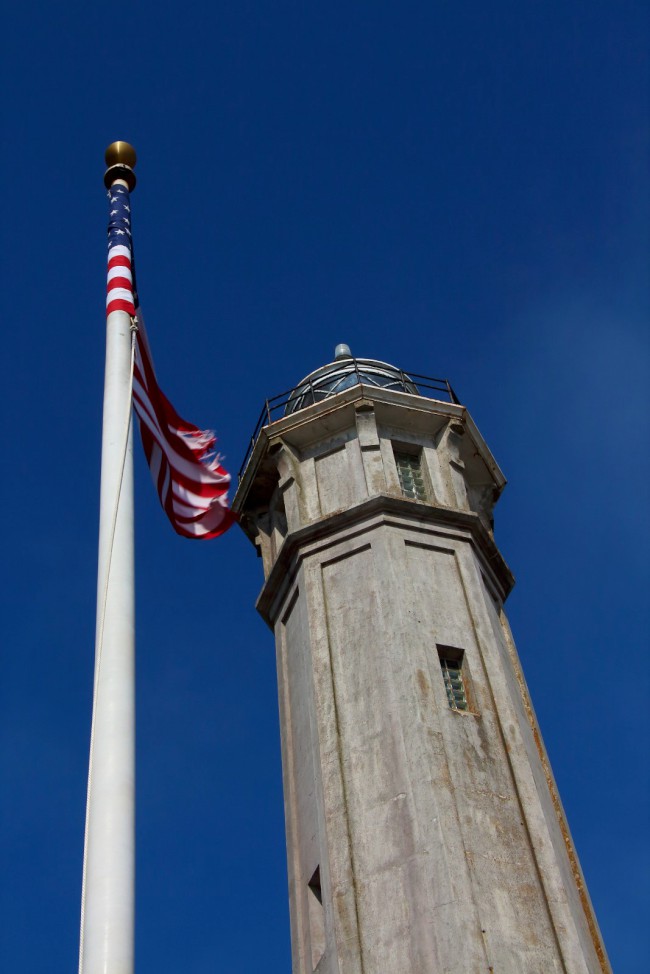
[424, 828]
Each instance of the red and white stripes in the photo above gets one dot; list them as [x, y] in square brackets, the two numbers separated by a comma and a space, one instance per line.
[191, 483]
[119, 283]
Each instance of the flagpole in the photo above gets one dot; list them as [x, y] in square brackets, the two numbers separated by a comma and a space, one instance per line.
[107, 908]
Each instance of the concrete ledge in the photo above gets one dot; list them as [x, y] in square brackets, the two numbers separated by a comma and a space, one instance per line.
[382, 509]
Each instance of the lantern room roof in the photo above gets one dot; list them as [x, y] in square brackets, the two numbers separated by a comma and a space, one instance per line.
[343, 373]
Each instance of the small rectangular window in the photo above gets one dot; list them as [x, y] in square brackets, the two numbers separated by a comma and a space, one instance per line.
[411, 478]
[455, 678]
[316, 919]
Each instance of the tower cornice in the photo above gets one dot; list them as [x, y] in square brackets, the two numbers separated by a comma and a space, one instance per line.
[382, 509]
[325, 417]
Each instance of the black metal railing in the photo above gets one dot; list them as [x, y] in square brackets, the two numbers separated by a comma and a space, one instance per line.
[410, 380]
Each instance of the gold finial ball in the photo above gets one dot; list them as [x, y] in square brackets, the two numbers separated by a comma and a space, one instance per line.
[120, 159]
[120, 154]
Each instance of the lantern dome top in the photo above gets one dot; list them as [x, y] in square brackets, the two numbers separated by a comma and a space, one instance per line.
[346, 371]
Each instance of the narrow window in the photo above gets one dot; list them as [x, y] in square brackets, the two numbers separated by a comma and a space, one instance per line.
[455, 678]
[316, 919]
[409, 469]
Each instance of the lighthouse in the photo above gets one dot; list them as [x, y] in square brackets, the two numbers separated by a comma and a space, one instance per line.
[424, 829]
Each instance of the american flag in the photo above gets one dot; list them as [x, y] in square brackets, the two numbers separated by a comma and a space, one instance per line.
[191, 483]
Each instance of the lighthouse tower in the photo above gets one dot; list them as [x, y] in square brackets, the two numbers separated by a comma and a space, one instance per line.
[424, 828]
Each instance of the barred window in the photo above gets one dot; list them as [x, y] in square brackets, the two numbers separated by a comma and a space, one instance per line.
[455, 678]
[409, 469]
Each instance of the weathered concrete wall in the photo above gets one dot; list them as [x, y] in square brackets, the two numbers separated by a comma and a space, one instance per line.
[437, 837]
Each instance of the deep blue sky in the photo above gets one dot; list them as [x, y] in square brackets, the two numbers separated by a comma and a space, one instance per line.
[460, 189]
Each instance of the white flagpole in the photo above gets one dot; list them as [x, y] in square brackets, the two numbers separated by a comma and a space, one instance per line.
[107, 908]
